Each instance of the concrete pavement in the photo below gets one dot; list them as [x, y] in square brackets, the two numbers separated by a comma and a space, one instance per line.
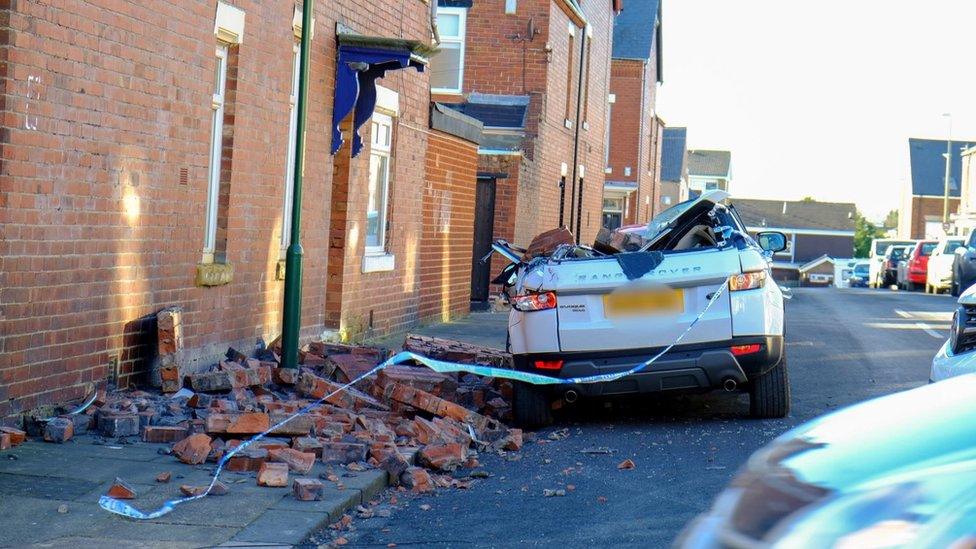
[37, 478]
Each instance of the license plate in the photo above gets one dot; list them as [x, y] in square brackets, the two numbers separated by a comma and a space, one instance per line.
[648, 302]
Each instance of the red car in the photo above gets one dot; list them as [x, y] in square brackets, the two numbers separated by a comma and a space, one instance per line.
[918, 263]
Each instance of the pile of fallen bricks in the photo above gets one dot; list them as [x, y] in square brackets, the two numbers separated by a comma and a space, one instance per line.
[416, 424]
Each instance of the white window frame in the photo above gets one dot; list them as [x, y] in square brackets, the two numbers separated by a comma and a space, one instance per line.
[462, 14]
[378, 147]
[216, 146]
[290, 163]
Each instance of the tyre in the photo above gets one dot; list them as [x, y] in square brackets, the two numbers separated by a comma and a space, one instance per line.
[531, 408]
[910, 286]
[769, 395]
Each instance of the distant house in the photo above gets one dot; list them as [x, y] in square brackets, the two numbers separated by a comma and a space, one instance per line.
[633, 170]
[674, 166]
[923, 198]
[709, 170]
[813, 230]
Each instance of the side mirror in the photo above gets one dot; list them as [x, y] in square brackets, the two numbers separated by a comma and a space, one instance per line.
[771, 241]
[960, 250]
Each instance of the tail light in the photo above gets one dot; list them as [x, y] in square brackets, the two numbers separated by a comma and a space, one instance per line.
[534, 302]
[747, 281]
[549, 364]
[739, 350]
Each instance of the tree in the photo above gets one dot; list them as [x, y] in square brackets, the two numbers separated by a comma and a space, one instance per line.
[808, 199]
[864, 233]
[891, 220]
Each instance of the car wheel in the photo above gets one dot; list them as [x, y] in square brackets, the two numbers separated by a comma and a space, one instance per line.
[531, 408]
[910, 286]
[769, 395]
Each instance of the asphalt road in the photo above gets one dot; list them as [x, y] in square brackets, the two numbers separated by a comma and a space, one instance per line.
[843, 346]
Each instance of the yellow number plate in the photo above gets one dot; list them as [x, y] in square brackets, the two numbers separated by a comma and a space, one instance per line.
[649, 302]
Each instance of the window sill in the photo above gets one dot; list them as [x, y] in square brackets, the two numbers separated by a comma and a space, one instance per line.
[378, 262]
[214, 274]
[568, 123]
[280, 270]
[586, 126]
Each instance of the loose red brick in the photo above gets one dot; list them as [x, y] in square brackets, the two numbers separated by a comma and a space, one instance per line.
[249, 459]
[513, 441]
[17, 436]
[300, 462]
[307, 489]
[308, 445]
[299, 425]
[121, 490]
[343, 452]
[162, 434]
[313, 386]
[164, 477]
[211, 382]
[417, 479]
[59, 429]
[5, 443]
[285, 376]
[219, 489]
[193, 449]
[273, 474]
[443, 457]
[248, 423]
[118, 425]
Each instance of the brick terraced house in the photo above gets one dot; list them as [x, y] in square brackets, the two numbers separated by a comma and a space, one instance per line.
[145, 162]
[536, 73]
[923, 197]
[633, 171]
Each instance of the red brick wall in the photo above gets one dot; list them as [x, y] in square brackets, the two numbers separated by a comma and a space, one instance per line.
[494, 64]
[634, 139]
[106, 108]
[448, 230]
[928, 206]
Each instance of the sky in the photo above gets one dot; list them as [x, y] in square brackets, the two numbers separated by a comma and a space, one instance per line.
[819, 98]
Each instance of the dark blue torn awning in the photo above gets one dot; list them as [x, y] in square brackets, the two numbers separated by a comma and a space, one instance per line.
[362, 60]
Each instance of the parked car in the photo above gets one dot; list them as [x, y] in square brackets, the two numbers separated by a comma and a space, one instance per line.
[958, 355]
[579, 313]
[938, 275]
[896, 471]
[879, 246]
[859, 276]
[913, 269]
[892, 256]
[964, 265]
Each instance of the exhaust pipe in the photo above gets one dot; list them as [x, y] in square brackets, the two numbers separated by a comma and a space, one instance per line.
[729, 384]
[570, 396]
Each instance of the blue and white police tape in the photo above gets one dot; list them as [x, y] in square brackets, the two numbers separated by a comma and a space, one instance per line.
[121, 508]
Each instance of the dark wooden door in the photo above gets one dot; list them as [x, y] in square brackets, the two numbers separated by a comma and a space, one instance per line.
[484, 228]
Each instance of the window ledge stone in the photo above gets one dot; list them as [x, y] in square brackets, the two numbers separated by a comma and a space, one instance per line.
[378, 262]
[214, 274]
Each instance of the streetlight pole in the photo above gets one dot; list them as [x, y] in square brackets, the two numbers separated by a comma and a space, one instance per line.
[292, 311]
[948, 174]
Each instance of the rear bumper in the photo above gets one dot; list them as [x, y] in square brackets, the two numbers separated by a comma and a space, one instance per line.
[697, 367]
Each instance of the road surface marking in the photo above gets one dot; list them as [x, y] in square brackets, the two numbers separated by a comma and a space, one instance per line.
[902, 313]
[930, 331]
